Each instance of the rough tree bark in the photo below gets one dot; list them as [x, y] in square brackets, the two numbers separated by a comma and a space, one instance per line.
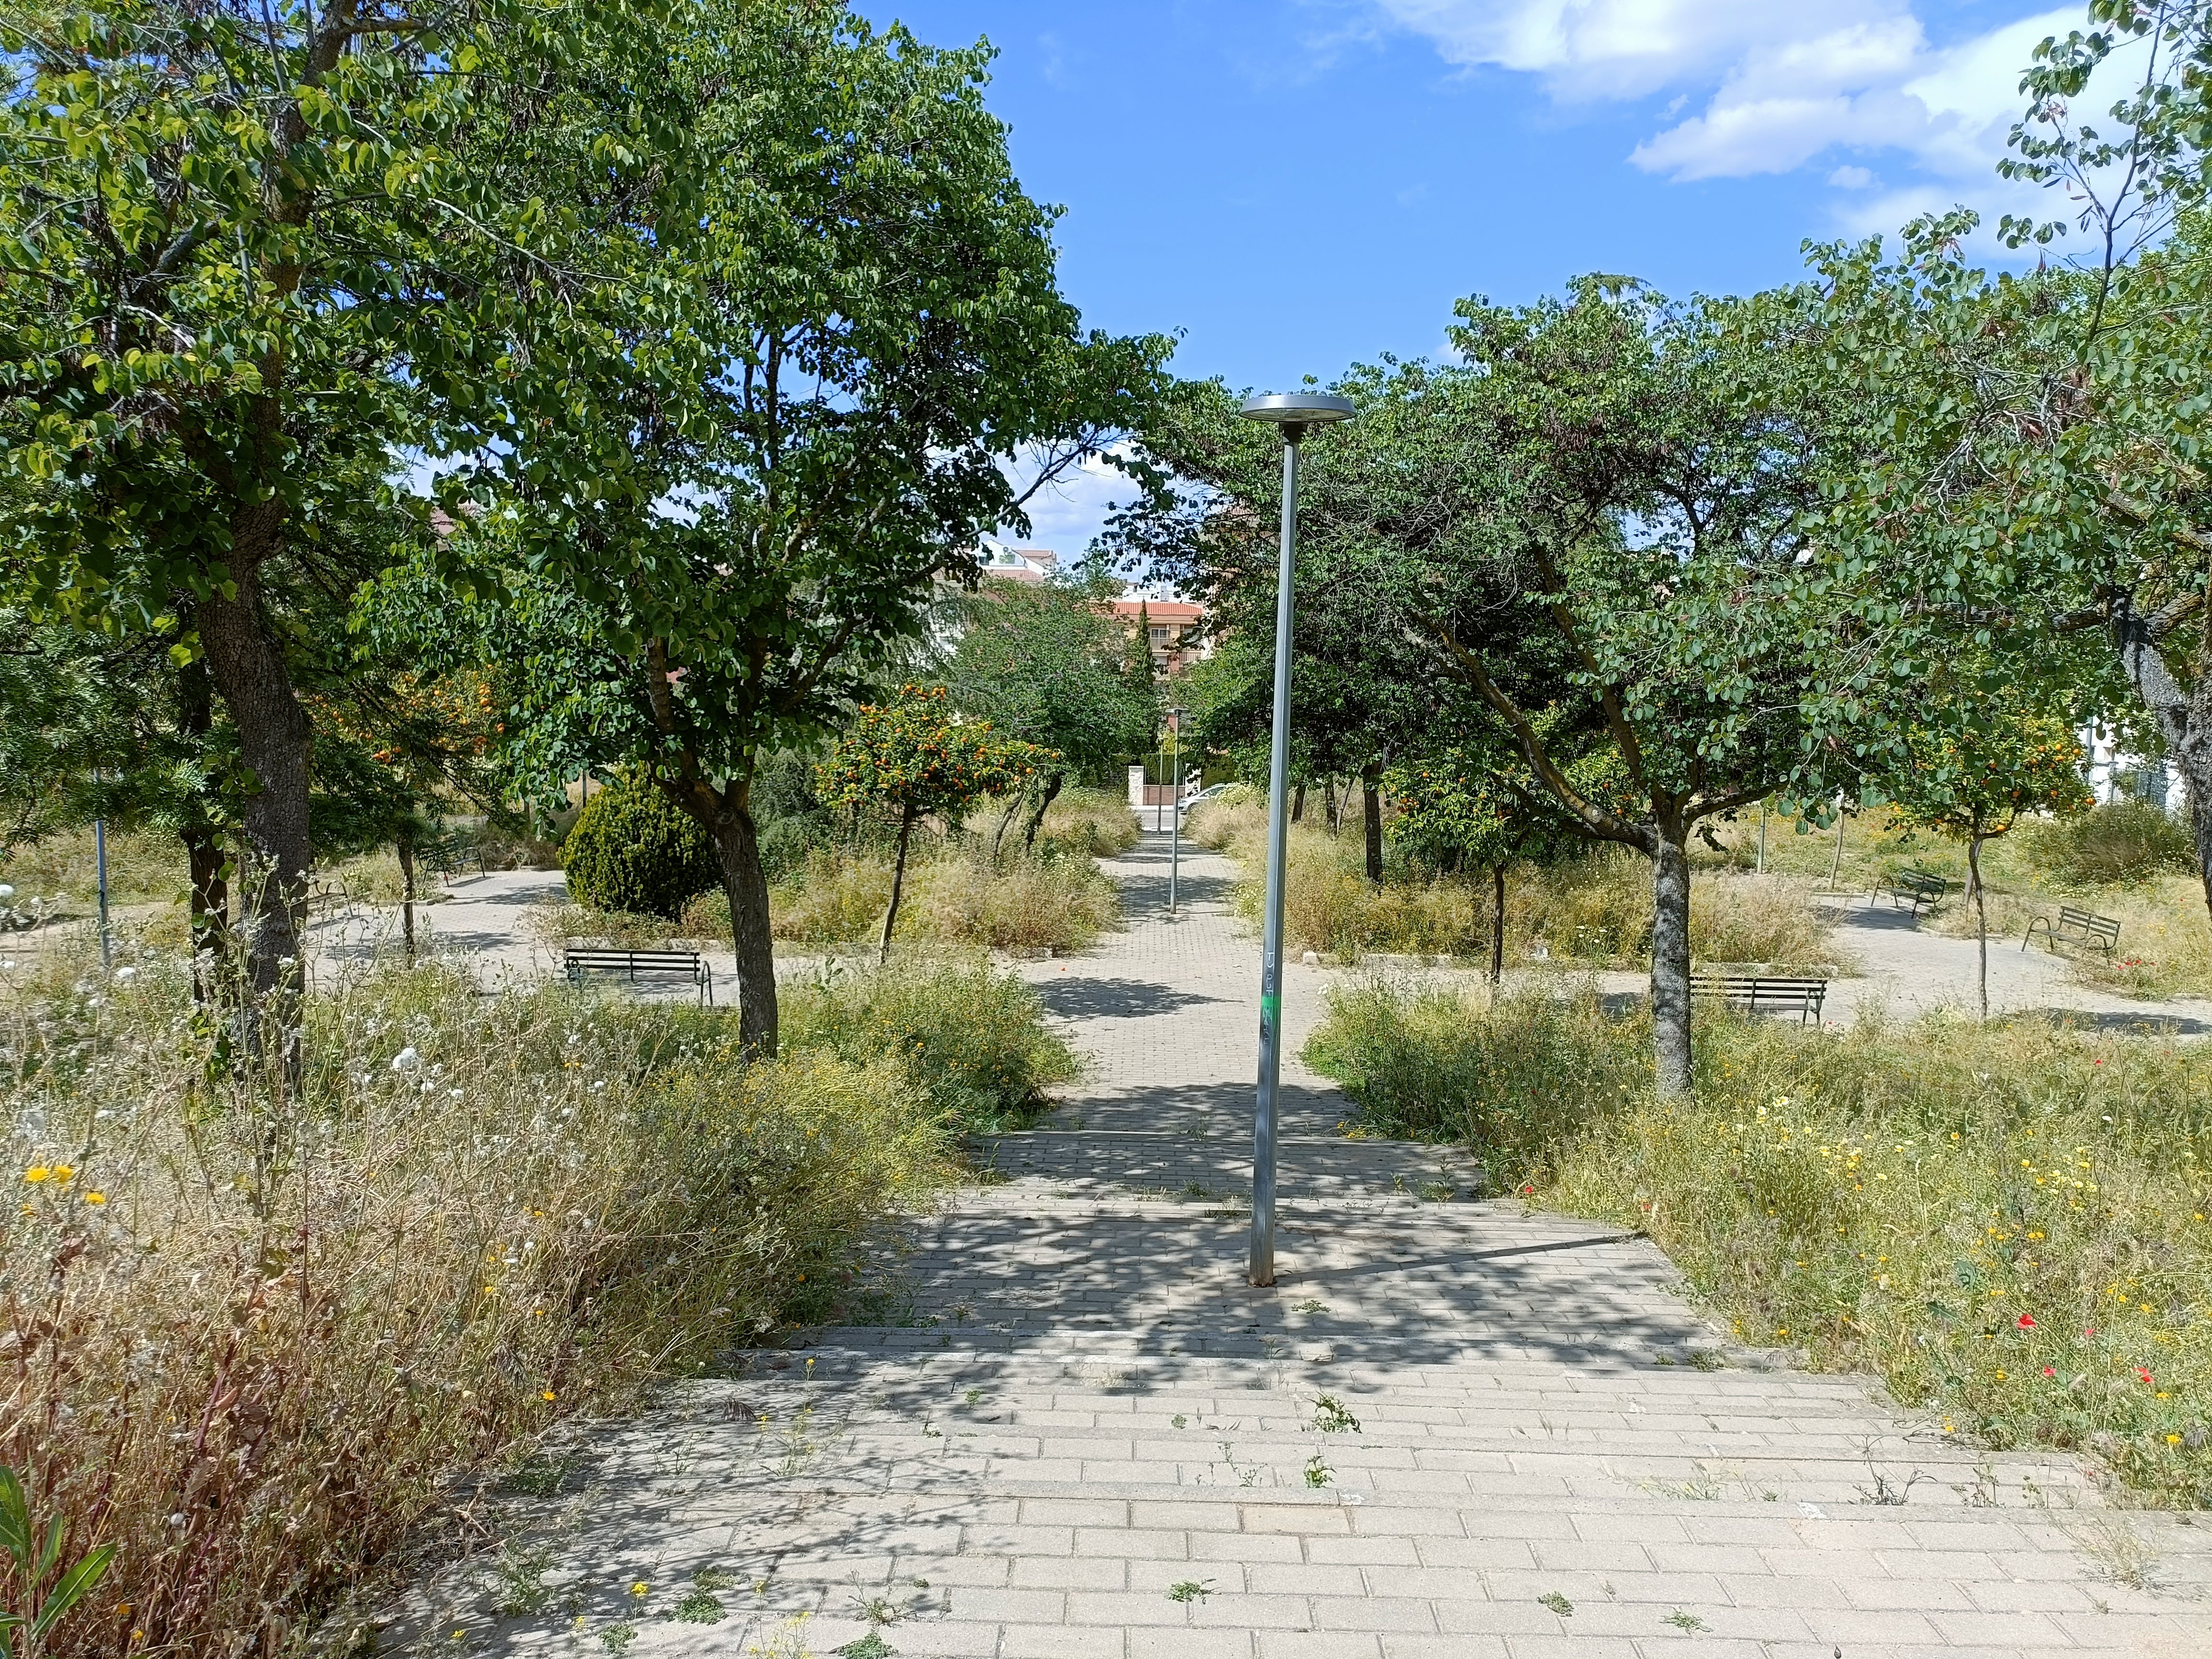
[1670, 961]
[1371, 806]
[1298, 803]
[737, 851]
[1981, 916]
[248, 671]
[209, 901]
[2184, 720]
[1050, 793]
[405, 848]
[1006, 822]
[1497, 924]
[898, 879]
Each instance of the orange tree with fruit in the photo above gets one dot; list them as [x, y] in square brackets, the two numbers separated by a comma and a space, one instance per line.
[1976, 766]
[912, 756]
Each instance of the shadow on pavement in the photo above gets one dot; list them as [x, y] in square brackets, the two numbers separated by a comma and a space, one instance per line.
[2131, 1022]
[1114, 999]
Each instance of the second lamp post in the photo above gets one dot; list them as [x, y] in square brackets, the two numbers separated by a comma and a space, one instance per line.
[1294, 414]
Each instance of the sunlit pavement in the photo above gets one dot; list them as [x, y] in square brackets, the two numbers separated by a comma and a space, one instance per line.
[1451, 1430]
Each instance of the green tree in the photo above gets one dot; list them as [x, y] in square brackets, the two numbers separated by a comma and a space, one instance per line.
[914, 757]
[1593, 527]
[837, 332]
[245, 268]
[1477, 806]
[61, 725]
[1044, 664]
[1361, 689]
[1976, 765]
[2025, 480]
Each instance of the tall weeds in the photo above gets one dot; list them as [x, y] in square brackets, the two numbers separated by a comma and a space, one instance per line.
[251, 1335]
[2011, 1223]
[1594, 909]
[955, 896]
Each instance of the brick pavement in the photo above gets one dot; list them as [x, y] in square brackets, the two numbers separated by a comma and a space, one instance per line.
[1453, 1429]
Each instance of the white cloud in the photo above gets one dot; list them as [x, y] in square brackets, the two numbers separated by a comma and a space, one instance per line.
[1621, 48]
[1772, 86]
[1066, 515]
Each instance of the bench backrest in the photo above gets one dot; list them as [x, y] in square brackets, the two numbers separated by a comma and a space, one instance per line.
[1759, 990]
[1920, 878]
[628, 959]
[1755, 982]
[2083, 921]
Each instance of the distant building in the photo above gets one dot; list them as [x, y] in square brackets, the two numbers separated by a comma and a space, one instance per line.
[2115, 775]
[1174, 630]
[1027, 565]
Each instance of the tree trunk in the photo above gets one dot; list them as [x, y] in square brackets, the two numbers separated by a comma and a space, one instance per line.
[406, 850]
[1005, 822]
[1836, 865]
[1331, 805]
[2184, 720]
[1370, 807]
[1670, 965]
[898, 879]
[1981, 917]
[1298, 803]
[1053, 785]
[273, 736]
[210, 902]
[737, 850]
[1497, 924]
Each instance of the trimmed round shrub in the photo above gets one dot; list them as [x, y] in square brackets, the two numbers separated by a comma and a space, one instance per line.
[634, 849]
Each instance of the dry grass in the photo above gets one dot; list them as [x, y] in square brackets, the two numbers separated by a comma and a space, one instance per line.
[1057, 901]
[141, 867]
[253, 1336]
[2166, 936]
[2011, 1223]
[1093, 820]
[1594, 910]
[148, 867]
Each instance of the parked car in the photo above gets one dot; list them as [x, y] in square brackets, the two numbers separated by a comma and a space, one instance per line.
[1207, 793]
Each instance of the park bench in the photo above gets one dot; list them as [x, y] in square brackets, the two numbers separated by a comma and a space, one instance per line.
[449, 855]
[2076, 927]
[1917, 890]
[1757, 993]
[580, 960]
[328, 896]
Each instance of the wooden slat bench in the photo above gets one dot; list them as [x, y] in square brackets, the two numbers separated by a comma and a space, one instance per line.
[1917, 890]
[1757, 993]
[577, 961]
[2074, 927]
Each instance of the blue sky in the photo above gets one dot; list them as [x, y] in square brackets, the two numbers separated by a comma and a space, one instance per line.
[1295, 185]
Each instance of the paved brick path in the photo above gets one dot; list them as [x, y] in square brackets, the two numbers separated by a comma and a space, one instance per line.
[1453, 1430]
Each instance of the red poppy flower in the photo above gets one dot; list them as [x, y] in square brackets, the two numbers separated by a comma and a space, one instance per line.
[2047, 1371]
[2027, 1322]
[2143, 1373]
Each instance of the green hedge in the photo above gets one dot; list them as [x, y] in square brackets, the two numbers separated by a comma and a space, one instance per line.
[633, 849]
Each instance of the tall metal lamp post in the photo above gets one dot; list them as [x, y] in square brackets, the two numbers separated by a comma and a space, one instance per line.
[1175, 838]
[1294, 414]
